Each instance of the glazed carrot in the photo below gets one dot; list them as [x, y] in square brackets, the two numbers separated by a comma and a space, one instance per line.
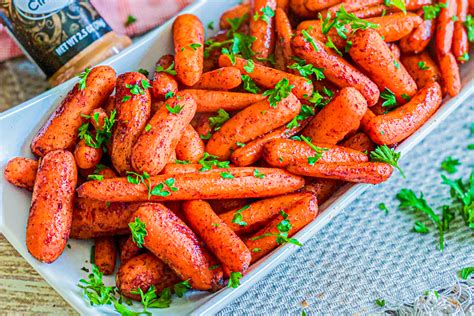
[253, 121]
[417, 41]
[262, 28]
[86, 157]
[188, 37]
[268, 77]
[156, 144]
[337, 119]
[394, 50]
[98, 118]
[298, 7]
[222, 206]
[372, 54]
[105, 254]
[359, 141]
[228, 248]
[143, 271]
[190, 146]
[109, 104]
[400, 123]
[61, 129]
[211, 101]
[445, 28]
[350, 6]
[283, 4]
[192, 186]
[176, 168]
[421, 68]
[450, 76]
[336, 69]
[280, 63]
[322, 188]
[395, 26]
[460, 48]
[318, 5]
[133, 112]
[252, 151]
[211, 57]
[163, 82]
[107, 173]
[372, 11]
[314, 29]
[21, 172]
[284, 34]
[412, 5]
[462, 8]
[129, 250]
[174, 243]
[93, 219]
[299, 215]
[224, 78]
[363, 172]
[256, 215]
[233, 13]
[49, 221]
[282, 152]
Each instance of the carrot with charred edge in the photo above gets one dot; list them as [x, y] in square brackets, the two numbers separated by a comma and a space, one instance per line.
[359, 141]
[252, 151]
[282, 152]
[299, 215]
[192, 186]
[427, 73]
[190, 146]
[105, 254]
[156, 144]
[211, 101]
[336, 69]
[133, 112]
[61, 129]
[188, 37]
[268, 77]
[450, 76]
[362, 172]
[284, 34]
[21, 172]
[421, 36]
[299, 8]
[318, 5]
[163, 83]
[49, 221]
[460, 46]
[256, 215]
[261, 27]
[372, 11]
[129, 250]
[337, 119]
[280, 62]
[86, 157]
[250, 123]
[93, 218]
[395, 26]
[174, 243]
[236, 12]
[224, 78]
[400, 123]
[372, 54]
[445, 28]
[322, 188]
[141, 272]
[228, 248]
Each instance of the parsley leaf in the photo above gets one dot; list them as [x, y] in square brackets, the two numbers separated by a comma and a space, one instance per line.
[466, 272]
[330, 44]
[469, 23]
[380, 302]
[234, 279]
[464, 194]
[174, 110]
[342, 19]
[144, 72]
[389, 98]
[227, 175]
[282, 236]
[238, 217]
[83, 78]
[130, 20]
[387, 155]
[309, 39]
[170, 70]
[318, 151]
[419, 227]
[449, 165]
[195, 46]
[258, 174]
[136, 178]
[266, 14]
[181, 288]
[249, 84]
[422, 65]
[209, 161]
[383, 207]
[396, 3]
[430, 12]
[94, 288]
[250, 66]
[217, 121]
[97, 177]
[306, 70]
[138, 230]
[102, 135]
[306, 111]
[282, 90]
[210, 25]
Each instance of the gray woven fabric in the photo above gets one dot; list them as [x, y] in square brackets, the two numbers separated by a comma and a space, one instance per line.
[362, 254]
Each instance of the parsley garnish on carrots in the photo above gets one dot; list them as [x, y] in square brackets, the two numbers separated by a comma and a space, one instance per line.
[170, 70]
[318, 151]
[306, 70]
[342, 19]
[389, 98]
[102, 136]
[430, 12]
[174, 110]
[234, 279]
[466, 272]
[387, 155]
[306, 111]
[208, 161]
[266, 13]
[282, 90]
[138, 231]
[309, 39]
[83, 78]
[469, 24]
[249, 84]
[238, 217]
[217, 121]
[282, 236]
[130, 20]
[396, 3]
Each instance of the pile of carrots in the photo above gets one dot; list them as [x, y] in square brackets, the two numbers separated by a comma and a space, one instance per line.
[227, 151]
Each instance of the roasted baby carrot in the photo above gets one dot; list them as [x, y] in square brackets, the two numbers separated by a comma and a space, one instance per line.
[61, 129]
[49, 221]
[190, 146]
[156, 144]
[318, 5]
[129, 250]
[228, 248]
[174, 243]
[284, 34]
[164, 82]
[336, 69]
[364, 172]
[236, 12]
[350, 6]
[298, 215]
[445, 27]
[246, 183]
[460, 48]
[224, 78]
[372, 11]
[210, 100]
[86, 156]
[21, 172]
[261, 27]
[337, 119]
[395, 26]
[268, 77]
[359, 141]
[188, 37]
[105, 254]
[133, 112]
[254, 216]
[250, 123]
[417, 41]
[143, 271]
[421, 68]
[322, 188]
[372, 54]
[298, 7]
[450, 76]
[400, 123]
[395, 50]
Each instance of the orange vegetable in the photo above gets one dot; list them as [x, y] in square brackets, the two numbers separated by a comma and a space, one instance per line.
[210, 101]
[284, 34]
[163, 83]
[235, 12]
[224, 78]
[190, 146]
[417, 41]
[262, 28]
[451, 78]
[105, 254]
[445, 28]
[429, 72]
[21, 172]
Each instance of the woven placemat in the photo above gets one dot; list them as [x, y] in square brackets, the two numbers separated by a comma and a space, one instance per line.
[363, 254]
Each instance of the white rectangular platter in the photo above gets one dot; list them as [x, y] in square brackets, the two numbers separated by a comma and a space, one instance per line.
[18, 126]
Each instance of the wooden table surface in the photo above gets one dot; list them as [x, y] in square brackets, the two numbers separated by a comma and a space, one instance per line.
[23, 290]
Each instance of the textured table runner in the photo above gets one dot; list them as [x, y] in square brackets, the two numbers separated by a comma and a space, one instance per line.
[362, 254]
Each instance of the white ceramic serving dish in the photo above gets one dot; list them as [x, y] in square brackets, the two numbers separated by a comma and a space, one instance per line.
[19, 124]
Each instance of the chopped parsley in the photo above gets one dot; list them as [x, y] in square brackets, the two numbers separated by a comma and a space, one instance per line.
[283, 228]
[306, 111]
[102, 135]
[217, 121]
[306, 70]
[307, 38]
[430, 12]
[449, 165]
[195, 46]
[249, 84]
[234, 279]
[130, 20]
[227, 175]
[238, 217]
[170, 70]
[389, 98]
[318, 151]
[258, 174]
[138, 231]
[174, 110]
[422, 65]
[208, 161]
[396, 3]
[281, 91]
[266, 13]
[83, 78]
[386, 155]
